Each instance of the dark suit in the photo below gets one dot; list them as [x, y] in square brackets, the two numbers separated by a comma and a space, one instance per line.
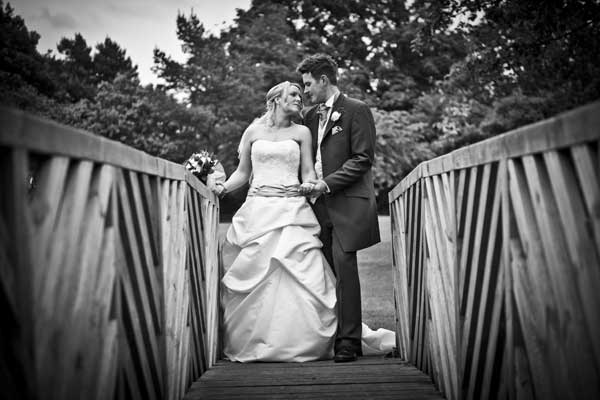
[348, 213]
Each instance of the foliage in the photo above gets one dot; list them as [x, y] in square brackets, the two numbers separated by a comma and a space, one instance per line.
[76, 70]
[143, 117]
[438, 74]
[548, 51]
[512, 112]
[21, 66]
[401, 145]
[110, 60]
[229, 75]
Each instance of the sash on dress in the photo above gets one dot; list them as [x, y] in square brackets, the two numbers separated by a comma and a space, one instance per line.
[275, 191]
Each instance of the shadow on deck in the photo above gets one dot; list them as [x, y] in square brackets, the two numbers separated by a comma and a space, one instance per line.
[367, 378]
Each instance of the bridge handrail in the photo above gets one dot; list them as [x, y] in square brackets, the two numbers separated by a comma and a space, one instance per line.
[108, 270]
[496, 263]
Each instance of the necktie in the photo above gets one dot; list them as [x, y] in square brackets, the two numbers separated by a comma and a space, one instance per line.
[322, 111]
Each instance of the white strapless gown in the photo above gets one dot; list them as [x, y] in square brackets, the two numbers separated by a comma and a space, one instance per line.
[278, 292]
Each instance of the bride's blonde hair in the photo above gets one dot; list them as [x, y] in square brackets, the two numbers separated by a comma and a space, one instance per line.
[275, 92]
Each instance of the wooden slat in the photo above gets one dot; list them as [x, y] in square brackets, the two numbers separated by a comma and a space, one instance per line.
[213, 278]
[474, 274]
[444, 212]
[466, 249]
[175, 284]
[491, 365]
[400, 276]
[373, 378]
[150, 196]
[143, 234]
[439, 238]
[419, 309]
[508, 230]
[461, 205]
[530, 282]
[45, 207]
[105, 376]
[589, 181]
[197, 283]
[486, 298]
[94, 247]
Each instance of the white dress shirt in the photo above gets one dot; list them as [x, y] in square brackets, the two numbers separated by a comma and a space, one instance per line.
[320, 134]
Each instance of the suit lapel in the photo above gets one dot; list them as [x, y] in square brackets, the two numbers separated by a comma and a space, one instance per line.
[339, 102]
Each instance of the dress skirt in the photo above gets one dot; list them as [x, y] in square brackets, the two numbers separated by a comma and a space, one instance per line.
[278, 292]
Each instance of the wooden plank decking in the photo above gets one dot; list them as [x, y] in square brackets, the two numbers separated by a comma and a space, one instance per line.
[367, 378]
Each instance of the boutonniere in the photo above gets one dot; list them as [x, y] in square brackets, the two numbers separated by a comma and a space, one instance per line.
[336, 129]
[335, 116]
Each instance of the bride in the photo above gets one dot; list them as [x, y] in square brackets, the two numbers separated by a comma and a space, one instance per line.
[278, 292]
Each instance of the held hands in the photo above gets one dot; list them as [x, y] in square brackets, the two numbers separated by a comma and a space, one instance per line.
[306, 188]
[313, 188]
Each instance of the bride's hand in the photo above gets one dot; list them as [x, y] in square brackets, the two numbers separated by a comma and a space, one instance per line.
[219, 189]
[306, 188]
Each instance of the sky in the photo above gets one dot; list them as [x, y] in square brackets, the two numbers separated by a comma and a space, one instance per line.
[138, 26]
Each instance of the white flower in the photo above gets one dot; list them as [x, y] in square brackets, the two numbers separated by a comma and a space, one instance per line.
[335, 115]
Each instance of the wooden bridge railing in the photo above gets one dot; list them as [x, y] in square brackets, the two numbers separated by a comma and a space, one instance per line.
[108, 267]
[496, 263]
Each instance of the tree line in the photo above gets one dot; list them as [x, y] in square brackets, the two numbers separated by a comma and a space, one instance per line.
[438, 74]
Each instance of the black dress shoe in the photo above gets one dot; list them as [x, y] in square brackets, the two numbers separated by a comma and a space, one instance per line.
[345, 355]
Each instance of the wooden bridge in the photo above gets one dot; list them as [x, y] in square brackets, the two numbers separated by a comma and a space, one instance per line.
[109, 274]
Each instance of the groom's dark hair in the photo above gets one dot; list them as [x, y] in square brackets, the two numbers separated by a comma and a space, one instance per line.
[319, 64]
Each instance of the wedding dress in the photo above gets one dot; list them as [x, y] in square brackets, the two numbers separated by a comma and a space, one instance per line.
[278, 292]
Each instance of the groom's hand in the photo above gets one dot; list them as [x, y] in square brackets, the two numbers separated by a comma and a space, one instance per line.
[306, 188]
[319, 188]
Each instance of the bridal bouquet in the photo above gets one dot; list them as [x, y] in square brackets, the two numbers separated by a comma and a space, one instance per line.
[207, 168]
[201, 164]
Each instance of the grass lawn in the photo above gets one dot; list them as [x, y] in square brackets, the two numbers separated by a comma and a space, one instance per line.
[375, 270]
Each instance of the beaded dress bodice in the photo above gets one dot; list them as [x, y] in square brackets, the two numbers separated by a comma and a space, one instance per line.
[275, 163]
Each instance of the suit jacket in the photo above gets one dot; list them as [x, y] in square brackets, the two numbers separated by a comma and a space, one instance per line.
[347, 154]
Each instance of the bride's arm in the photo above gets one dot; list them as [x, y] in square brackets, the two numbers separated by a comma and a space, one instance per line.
[307, 164]
[242, 173]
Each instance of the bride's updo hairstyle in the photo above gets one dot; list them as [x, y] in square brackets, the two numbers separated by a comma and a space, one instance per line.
[275, 92]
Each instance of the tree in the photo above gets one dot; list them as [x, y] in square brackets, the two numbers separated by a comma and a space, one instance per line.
[373, 43]
[110, 60]
[21, 66]
[229, 75]
[76, 71]
[548, 51]
[145, 118]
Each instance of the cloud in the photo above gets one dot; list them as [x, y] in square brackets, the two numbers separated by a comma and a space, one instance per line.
[140, 9]
[59, 20]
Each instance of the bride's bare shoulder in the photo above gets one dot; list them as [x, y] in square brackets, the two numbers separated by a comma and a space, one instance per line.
[248, 137]
[251, 133]
[301, 131]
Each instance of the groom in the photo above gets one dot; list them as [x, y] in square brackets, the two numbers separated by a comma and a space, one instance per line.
[343, 135]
